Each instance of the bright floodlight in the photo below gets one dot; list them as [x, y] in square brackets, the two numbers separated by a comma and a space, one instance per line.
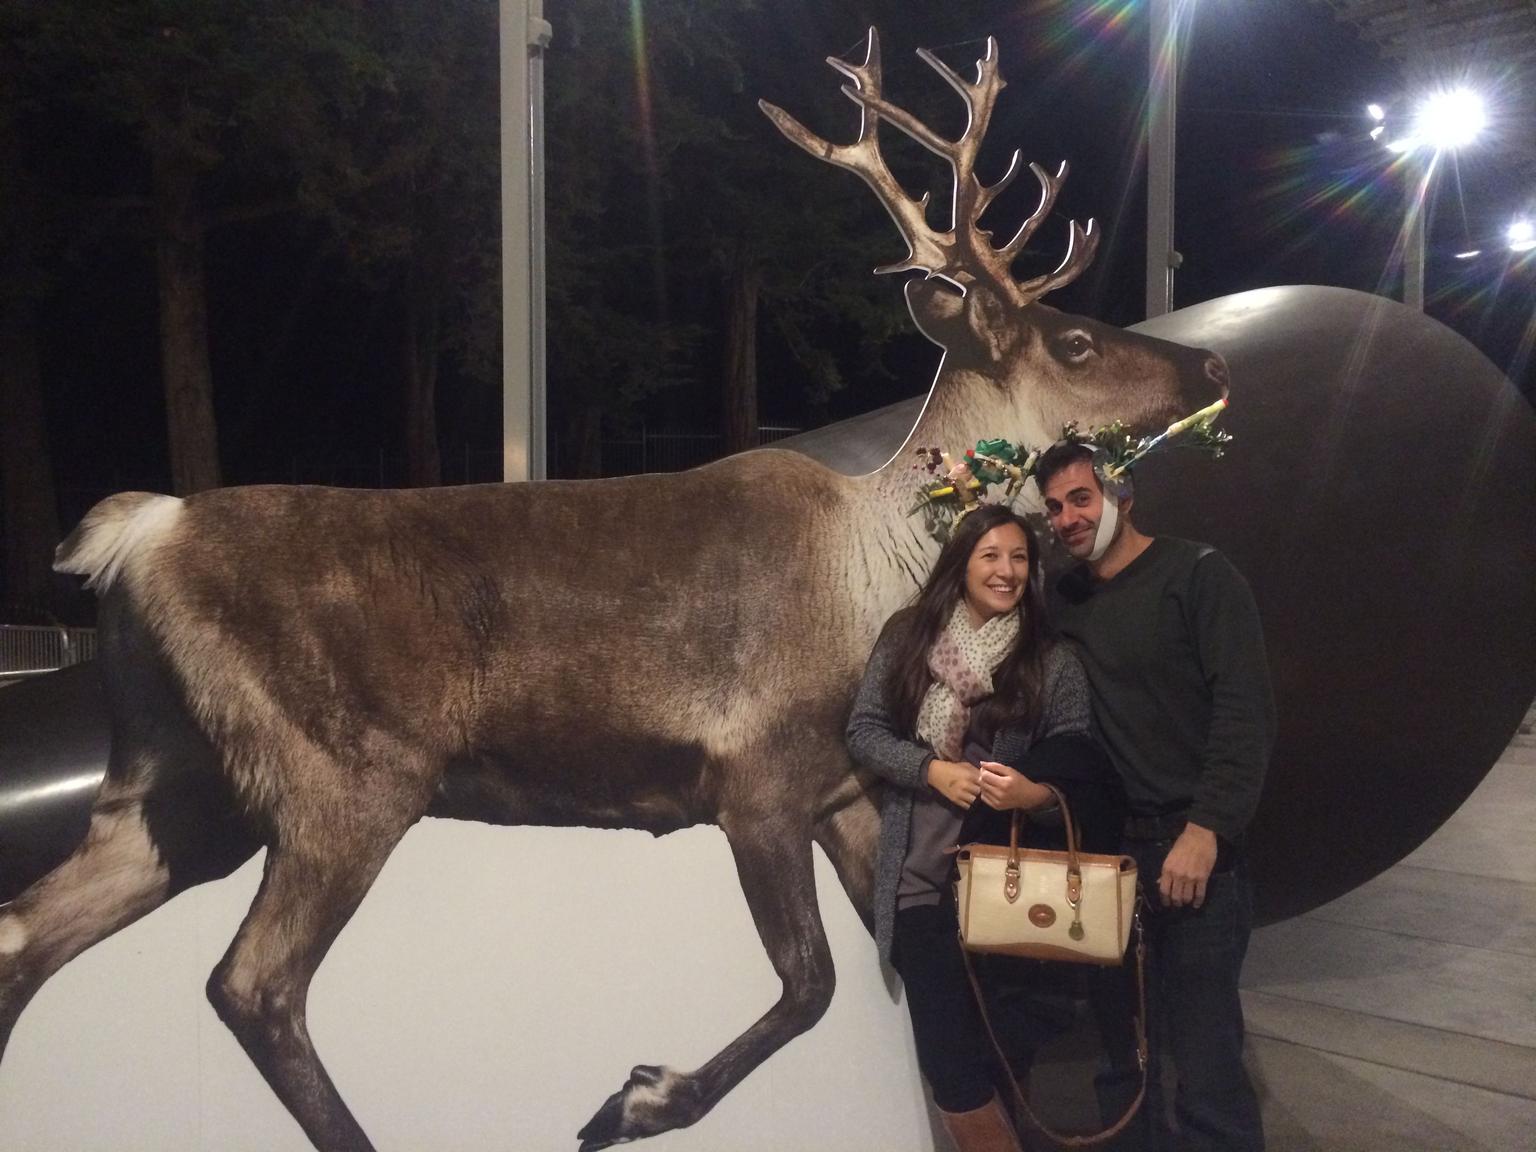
[1450, 119]
[1375, 112]
[1521, 236]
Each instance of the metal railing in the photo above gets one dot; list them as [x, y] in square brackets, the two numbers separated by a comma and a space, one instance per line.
[25, 650]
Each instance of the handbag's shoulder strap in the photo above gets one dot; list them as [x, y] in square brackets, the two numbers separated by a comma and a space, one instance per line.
[1067, 822]
[1016, 822]
[1022, 1104]
[1074, 865]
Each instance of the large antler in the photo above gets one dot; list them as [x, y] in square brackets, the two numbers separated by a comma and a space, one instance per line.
[965, 254]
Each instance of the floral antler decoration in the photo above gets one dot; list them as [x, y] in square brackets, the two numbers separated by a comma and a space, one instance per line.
[953, 489]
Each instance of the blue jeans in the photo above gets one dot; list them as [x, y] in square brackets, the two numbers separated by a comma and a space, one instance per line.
[1194, 958]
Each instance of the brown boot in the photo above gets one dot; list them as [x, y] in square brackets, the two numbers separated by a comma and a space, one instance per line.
[984, 1129]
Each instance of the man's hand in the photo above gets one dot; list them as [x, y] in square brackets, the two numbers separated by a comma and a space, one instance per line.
[957, 782]
[1004, 788]
[1187, 867]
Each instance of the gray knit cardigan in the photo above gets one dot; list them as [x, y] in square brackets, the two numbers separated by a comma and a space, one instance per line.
[876, 744]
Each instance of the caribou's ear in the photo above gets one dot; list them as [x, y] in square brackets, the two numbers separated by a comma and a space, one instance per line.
[974, 327]
[939, 310]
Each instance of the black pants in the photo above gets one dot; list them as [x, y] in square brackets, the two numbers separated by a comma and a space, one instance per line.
[1027, 1001]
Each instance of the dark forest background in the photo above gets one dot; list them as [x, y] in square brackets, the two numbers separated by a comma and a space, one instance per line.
[258, 241]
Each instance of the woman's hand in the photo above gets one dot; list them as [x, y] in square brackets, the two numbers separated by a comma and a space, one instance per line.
[1004, 789]
[957, 782]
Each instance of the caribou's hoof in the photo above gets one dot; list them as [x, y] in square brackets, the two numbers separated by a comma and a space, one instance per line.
[652, 1100]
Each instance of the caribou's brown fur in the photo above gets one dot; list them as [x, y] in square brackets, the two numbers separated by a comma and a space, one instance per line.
[313, 670]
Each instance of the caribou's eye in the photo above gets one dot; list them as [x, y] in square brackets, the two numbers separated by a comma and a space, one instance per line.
[1075, 346]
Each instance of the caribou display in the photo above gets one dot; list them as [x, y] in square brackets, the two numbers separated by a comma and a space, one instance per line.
[313, 670]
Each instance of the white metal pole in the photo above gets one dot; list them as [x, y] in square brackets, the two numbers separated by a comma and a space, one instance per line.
[1162, 115]
[523, 37]
[1413, 260]
[1413, 237]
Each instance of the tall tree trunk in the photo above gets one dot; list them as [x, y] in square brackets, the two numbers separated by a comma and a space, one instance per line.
[423, 326]
[738, 407]
[183, 320]
[30, 507]
[426, 283]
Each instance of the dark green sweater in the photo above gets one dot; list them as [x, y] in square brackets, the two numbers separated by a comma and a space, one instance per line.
[1174, 654]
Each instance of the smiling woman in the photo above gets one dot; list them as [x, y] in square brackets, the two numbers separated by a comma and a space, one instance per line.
[996, 573]
[965, 699]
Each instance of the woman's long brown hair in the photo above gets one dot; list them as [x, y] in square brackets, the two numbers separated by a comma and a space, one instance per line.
[1017, 681]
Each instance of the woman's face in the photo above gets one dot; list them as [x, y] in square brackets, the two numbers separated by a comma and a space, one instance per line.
[996, 573]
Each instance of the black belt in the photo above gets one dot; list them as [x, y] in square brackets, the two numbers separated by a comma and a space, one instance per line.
[1164, 827]
[1168, 826]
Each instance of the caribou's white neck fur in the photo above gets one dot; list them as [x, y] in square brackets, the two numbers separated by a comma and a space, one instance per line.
[889, 553]
[967, 405]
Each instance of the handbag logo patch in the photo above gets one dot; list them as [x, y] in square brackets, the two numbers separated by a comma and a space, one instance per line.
[1042, 915]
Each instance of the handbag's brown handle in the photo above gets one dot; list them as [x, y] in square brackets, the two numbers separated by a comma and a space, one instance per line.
[1021, 1104]
[1074, 864]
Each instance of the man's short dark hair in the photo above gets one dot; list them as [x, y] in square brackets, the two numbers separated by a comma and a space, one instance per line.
[1062, 454]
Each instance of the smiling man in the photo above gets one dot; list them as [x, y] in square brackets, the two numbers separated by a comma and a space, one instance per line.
[1171, 641]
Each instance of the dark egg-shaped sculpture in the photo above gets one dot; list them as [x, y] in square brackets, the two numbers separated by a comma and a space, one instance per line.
[1380, 497]
[53, 750]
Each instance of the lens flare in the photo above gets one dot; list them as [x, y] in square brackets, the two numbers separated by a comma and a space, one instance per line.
[1069, 37]
[1450, 119]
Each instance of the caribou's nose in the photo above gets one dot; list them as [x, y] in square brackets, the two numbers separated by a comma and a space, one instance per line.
[1216, 372]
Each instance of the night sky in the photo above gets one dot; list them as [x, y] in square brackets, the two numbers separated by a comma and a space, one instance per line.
[1277, 184]
[1277, 179]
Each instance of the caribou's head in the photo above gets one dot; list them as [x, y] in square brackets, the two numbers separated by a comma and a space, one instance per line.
[1012, 366]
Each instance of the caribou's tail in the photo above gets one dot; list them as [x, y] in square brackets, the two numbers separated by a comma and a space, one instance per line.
[112, 533]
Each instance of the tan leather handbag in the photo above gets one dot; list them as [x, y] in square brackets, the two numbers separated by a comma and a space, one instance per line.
[1045, 905]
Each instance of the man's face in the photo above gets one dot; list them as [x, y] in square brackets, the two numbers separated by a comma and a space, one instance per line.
[1074, 504]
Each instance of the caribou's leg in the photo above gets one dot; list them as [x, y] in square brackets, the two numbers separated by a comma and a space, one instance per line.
[773, 862]
[327, 850]
[850, 836]
[114, 877]
[146, 842]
